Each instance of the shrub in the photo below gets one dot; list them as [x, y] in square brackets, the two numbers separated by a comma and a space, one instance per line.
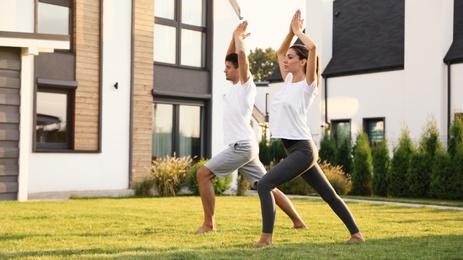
[440, 186]
[242, 185]
[429, 141]
[418, 173]
[363, 167]
[144, 188]
[296, 186]
[457, 177]
[327, 149]
[381, 164]
[169, 174]
[447, 174]
[456, 153]
[455, 143]
[337, 178]
[220, 185]
[192, 180]
[344, 155]
[276, 150]
[421, 162]
[340, 181]
[396, 177]
[264, 149]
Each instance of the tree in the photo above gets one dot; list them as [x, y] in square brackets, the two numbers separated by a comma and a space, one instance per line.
[327, 150]
[343, 156]
[262, 63]
[363, 166]
[381, 164]
[264, 149]
[421, 162]
[397, 175]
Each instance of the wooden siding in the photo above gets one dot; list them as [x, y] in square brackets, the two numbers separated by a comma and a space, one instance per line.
[87, 49]
[10, 65]
[142, 87]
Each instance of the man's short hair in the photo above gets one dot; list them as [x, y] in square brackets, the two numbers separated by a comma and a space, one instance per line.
[233, 58]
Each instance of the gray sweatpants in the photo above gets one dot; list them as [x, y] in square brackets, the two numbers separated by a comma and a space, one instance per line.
[301, 161]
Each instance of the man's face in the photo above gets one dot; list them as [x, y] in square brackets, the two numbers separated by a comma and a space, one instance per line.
[231, 73]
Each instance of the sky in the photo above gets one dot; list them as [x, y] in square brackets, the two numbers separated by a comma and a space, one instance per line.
[268, 20]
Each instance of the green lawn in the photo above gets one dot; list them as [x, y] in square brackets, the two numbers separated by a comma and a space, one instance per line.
[162, 228]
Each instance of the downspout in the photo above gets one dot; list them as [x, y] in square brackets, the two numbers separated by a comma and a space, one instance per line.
[131, 103]
[326, 103]
[449, 81]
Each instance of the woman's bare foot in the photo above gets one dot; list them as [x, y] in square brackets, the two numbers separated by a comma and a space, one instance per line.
[265, 240]
[299, 226]
[357, 237]
[203, 229]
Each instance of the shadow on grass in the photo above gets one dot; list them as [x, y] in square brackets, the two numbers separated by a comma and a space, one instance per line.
[427, 247]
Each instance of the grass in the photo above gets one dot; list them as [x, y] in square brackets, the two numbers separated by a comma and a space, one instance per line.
[162, 228]
[450, 203]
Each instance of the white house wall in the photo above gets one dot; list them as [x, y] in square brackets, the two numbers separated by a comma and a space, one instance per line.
[225, 21]
[426, 43]
[109, 169]
[260, 102]
[368, 96]
[17, 15]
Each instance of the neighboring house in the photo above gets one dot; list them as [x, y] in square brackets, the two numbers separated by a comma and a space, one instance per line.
[386, 66]
[91, 91]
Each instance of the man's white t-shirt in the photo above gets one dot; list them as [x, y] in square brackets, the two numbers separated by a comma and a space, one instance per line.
[237, 112]
[288, 117]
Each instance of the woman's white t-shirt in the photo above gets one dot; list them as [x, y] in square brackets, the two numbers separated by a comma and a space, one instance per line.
[288, 117]
[237, 112]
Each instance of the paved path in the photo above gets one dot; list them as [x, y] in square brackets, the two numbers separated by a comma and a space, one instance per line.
[414, 205]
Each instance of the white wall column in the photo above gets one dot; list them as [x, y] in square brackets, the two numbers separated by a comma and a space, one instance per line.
[25, 121]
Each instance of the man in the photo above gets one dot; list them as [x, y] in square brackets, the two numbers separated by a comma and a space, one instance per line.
[243, 150]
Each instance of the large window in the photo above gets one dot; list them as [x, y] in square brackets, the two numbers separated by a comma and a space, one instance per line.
[177, 129]
[54, 16]
[341, 130]
[54, 115]
[189, 131]
[374, 128]
[180, 32]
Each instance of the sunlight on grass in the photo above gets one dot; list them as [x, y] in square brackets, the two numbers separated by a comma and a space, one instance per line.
[162, 228]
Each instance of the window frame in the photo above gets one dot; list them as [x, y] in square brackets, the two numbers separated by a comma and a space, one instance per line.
[179, 26]
[176, 124]
[64, 3]
[334, 134]
[59, 87]
[366, 129]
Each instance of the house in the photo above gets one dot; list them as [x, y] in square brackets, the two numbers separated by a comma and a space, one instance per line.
[386, 66]
[92, 91]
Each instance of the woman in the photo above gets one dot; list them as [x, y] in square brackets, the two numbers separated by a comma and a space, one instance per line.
[299, 66]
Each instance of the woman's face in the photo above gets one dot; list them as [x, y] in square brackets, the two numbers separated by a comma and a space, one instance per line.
[292, 63]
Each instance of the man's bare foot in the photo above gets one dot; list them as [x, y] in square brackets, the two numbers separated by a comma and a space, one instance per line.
[204, 229]
[265, 240]
[357, 237]
[260, 244]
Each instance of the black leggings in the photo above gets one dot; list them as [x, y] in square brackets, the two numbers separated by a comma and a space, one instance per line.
[301, 161]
